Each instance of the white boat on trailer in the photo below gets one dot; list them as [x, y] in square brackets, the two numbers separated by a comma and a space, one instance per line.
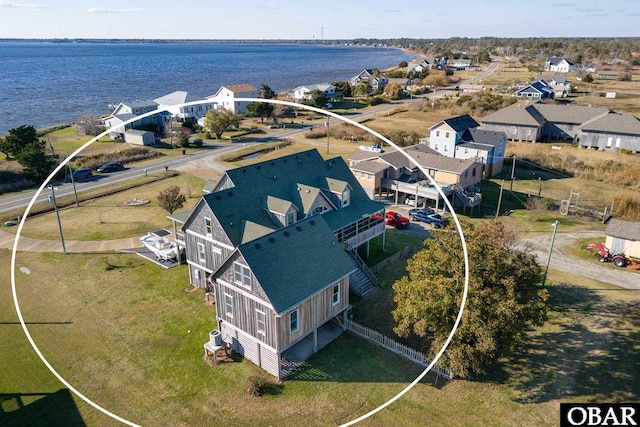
[376, 148]
[163, 248]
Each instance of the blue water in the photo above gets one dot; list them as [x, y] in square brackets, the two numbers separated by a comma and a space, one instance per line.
[44, 84]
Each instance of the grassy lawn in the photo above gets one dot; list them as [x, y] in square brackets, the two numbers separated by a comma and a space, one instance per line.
[126, 334]
[111, 217]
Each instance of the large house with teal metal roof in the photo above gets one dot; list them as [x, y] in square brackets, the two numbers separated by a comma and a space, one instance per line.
[276, 243]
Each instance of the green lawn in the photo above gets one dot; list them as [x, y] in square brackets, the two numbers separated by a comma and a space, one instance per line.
[111, 217]
[126, 334]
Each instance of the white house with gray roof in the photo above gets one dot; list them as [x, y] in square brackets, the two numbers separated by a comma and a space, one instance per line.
[128, 110]
[171, 101]
[304, 92]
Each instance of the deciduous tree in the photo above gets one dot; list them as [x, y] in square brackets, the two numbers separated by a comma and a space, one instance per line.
[504, 297]
[171, 199]
[216, 122]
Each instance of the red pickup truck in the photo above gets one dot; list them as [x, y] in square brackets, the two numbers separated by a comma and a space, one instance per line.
[394, 219]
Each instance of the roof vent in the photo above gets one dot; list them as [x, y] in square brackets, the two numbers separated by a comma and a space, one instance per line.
[244, 170]
[230, 193]
[272, 240]
[272, 163]
[298, 228]
[257, 246]
[308, 191]
[257, 166]
[217, 197]
[230, 224]
[312, 222]
[296, 156]
[275, 177]
[286, 234]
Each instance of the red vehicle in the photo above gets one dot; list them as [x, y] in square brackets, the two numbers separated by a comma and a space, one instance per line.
[396, 220]
[604, 255]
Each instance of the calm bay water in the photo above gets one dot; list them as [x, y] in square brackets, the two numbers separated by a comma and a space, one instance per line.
[44, 84]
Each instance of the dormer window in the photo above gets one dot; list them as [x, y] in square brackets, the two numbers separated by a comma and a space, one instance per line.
[346, 197]
[291, 217]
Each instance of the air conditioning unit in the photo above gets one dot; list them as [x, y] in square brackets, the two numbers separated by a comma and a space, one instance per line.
[215, 337]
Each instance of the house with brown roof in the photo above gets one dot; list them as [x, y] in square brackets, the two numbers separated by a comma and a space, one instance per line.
[611, 132]
[623, 236]
[226, 96]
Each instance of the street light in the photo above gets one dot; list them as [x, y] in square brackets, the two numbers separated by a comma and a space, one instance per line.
[553, 238]
[52, 198]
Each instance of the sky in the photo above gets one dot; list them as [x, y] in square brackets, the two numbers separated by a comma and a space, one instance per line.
[311, 19]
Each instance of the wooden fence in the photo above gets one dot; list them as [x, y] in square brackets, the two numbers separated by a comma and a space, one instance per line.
[402, 255]
[396, 347]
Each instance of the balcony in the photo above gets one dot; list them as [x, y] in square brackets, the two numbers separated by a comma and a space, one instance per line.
[421, 188]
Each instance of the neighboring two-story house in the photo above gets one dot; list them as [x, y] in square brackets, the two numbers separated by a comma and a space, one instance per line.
[275, 242]
[392, 174]
[558, 64]
[128, 110]
[459, 137]
[226, 96]
[370, 77]
[172, 103]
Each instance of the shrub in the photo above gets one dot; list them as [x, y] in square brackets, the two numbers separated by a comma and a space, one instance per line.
[256, 385]
[198, 142]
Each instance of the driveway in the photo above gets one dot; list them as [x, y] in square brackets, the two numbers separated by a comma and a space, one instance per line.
[561, 260]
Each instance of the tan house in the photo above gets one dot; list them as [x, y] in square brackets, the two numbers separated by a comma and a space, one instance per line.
[392, 174]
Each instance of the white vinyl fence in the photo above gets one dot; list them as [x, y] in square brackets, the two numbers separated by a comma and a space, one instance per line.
[396, 347]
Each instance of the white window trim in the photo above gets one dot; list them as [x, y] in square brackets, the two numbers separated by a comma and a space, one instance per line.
[208, 227]
[245, 273]
[292, 331]
[202, 254]
[335, 302]
[264, 322]
[228, 313]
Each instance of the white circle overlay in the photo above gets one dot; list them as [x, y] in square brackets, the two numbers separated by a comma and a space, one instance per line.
[271, 101]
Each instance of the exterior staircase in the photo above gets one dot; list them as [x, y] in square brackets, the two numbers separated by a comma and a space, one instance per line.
[467, 199]
[363, 280]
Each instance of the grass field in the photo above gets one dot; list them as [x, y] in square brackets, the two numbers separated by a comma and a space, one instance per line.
[111, 217]
[126, 334]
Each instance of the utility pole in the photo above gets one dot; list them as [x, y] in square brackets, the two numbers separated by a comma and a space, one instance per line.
[73, 182]
[513, 169]
[52, 198]
[499, 201]
[553, 238]
[326, 124]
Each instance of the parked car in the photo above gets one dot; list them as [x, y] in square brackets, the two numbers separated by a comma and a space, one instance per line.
[396, 220]
[80, 174]
[411, 201]
[436, 220]
[110, 167]
[420, 214]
